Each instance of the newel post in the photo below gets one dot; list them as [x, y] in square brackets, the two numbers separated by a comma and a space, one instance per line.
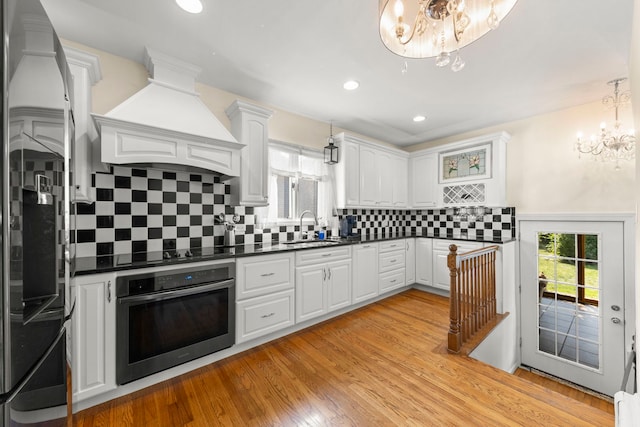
[454, 336]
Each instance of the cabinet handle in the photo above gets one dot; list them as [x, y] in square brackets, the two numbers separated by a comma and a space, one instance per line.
[393, 260]
[407, 245]
[267, 274]
[329, 273]
[264, 316]
[325, 255]
[393, 246]
[393, 281]
[109, 291]
[324, 274]
[366, 246]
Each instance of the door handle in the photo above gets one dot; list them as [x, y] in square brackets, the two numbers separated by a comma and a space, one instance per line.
[616, 320]
[109, 291]
[324, 274]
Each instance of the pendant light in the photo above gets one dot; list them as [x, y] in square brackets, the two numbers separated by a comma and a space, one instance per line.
[331, 150]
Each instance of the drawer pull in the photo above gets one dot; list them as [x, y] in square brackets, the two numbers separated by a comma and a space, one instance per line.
[393, 246]
[393, 281]
[267, 274]
[366, 246]
[393, 260]
[264, 316]
[325, 255]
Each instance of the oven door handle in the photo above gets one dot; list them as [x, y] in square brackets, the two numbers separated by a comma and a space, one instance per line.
[159, 296]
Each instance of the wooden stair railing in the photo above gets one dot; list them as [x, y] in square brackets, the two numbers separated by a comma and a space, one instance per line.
[472, 299]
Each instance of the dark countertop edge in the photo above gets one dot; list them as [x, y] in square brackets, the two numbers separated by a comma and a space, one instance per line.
[104, 264]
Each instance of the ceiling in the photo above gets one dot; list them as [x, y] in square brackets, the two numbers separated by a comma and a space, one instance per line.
[296, 54]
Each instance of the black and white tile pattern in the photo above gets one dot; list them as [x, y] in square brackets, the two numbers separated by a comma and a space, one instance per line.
[150, 210]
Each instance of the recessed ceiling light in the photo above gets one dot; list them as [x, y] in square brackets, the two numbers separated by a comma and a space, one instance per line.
[191, 6]
[351, 85]
[419, 118]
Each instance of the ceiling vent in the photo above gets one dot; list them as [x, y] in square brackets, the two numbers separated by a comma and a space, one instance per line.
[167, 123]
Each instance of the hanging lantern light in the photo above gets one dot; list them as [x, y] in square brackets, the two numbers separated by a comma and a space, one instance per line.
[331, 150]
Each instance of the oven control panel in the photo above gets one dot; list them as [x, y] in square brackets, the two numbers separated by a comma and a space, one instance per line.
[172, 279]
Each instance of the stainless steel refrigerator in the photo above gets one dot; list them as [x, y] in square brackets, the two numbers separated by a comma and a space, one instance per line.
[37, 126]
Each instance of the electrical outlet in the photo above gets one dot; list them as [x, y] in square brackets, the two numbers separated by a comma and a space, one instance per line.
[240, 227]
[385, 223]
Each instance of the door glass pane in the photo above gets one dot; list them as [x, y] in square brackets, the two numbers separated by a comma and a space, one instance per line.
[569, 289]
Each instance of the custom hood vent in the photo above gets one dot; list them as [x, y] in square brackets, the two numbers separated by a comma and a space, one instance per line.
[167, 123]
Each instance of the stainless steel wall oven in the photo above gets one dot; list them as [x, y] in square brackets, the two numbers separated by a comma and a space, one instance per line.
[167, 318]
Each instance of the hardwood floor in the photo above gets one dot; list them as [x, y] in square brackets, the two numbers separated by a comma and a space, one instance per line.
[382, 365]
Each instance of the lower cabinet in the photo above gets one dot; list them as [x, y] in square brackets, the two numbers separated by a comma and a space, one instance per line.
[410, 261]
[322, 286]
[441, 274]
[365, 272]
[265, 314]
[391, 265]
[265, 299]
[424, 261]
[93, 335]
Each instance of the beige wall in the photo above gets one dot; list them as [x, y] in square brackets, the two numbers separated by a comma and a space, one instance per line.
[121, 78]
[544, 173]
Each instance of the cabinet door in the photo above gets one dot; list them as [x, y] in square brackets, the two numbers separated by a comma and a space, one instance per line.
[399, 178]
[385, 167]
[339, 284]
[369, 177]
[441, 274]
[310, 292]
[424, 176]
[93, 336]
[424, 261]
[352, 174]
[410, 261]
[365, 272]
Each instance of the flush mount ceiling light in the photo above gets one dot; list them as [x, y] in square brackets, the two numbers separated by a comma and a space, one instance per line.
[191, 6]
[418, 119]
[615, 144]
[438, 27]
[351, 85]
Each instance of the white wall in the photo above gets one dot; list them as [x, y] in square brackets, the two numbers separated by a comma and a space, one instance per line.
[544, 173]
[634, 72]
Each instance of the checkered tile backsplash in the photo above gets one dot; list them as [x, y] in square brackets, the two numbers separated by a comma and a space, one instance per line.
[149, 210]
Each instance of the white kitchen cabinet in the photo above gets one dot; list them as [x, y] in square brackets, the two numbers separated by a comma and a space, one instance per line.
[424, 177]
[249, 127]
[369, 177]
[264, 274]
[347, 173]
[391, 265]
[399, 176]
[424, 261]
[386, 177]
[365, 272]
[410, 260]
[265, 300]
[85, 155]
[262, 315]
[441, 274]
[93, 335]
[323, 281]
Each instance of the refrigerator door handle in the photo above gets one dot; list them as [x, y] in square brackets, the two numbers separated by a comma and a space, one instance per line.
[73, 308]
[11, 394]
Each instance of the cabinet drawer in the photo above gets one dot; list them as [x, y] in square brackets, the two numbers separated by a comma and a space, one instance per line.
[259, 316]
[391, 280]
[392, 245]
[263, 274]
[391, 260]
[314, 256]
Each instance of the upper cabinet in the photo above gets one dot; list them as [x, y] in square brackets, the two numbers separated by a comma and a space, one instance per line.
[249, 127]
[85, 68]
[369, 175]
[466, 173]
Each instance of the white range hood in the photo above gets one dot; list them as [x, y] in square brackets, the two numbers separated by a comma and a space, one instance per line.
[167, 123]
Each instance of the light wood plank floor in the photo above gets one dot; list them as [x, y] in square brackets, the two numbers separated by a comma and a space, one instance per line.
[382, 365]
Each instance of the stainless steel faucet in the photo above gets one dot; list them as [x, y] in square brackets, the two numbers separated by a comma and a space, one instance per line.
[315, 219]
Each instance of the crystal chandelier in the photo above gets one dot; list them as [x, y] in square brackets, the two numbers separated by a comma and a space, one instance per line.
[615, 144]
[439, 27]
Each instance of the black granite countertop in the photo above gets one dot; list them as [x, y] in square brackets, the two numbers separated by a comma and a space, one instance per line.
[110, 263]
